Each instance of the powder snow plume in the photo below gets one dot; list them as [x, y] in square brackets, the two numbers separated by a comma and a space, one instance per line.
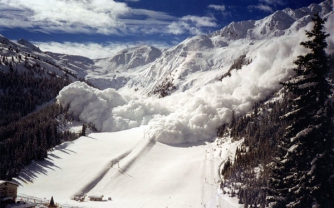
[192, 115]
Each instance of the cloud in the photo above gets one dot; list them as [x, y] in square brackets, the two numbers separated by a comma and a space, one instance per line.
[261, 7]
[191, 24]
[267, 5]
[217, 7]
[220, 8]
[93, 50]
[62, 15]
[273, 2]
[83, 16]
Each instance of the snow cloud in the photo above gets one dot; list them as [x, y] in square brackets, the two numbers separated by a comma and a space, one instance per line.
[329, 25]
[193, 115]
[107, 109]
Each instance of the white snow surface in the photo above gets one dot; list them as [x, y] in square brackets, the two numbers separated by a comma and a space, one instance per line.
[132, 170]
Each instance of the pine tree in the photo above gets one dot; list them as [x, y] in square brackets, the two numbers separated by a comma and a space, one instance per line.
[52, 203]
[83, 130]
[302, 174]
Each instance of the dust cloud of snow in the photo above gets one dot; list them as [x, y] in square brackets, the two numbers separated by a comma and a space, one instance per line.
[190, 116]
[329, 25]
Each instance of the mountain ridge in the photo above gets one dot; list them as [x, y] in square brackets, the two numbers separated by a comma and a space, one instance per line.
[146, 69]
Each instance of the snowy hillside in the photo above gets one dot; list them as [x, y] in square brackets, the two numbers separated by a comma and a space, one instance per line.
[132, 171]
[115, 72]
[185, 65]
[276, 24]
[163, 109]
[23, 55]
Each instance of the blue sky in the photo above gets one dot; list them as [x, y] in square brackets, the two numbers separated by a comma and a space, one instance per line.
[110, 25]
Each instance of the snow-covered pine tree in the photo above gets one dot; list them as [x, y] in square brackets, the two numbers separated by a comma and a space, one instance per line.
[303, 174]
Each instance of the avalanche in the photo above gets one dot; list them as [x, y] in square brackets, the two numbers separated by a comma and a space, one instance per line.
[191, 115]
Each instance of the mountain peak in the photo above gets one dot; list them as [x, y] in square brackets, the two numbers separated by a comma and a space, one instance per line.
[28, 45]
[136, 56]
[275, 24]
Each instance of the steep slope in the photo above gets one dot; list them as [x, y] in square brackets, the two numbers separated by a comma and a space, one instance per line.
[148, 70]
[275, 24]
[23, 55]
[202, 59]
[134, 57]
[116, 71]
[29, 82]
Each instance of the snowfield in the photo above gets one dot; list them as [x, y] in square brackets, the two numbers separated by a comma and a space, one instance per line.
[132, 170]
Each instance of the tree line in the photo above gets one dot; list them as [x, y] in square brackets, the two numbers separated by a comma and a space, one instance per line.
[27, 134]
[30, 138]
[22, 92]
[287, 157]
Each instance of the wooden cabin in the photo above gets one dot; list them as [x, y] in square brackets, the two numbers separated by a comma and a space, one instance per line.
[95, 197]
[8, 192]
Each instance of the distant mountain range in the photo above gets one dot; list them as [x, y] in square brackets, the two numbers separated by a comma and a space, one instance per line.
[195, 62]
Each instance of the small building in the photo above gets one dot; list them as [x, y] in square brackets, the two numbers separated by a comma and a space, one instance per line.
[95, 197]
[8, 192]
[79, 198]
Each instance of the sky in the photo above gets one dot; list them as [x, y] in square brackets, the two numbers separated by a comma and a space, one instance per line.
[77, 26]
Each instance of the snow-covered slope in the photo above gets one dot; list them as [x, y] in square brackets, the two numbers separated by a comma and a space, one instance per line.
[148, 70]
[29, 45]
[131, 170]
[134, 57]
[275, 24]
[115, 72]
[24, 56]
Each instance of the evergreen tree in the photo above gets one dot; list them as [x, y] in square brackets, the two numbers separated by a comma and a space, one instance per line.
[302, 174]
[52, 203]
[83, 130]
